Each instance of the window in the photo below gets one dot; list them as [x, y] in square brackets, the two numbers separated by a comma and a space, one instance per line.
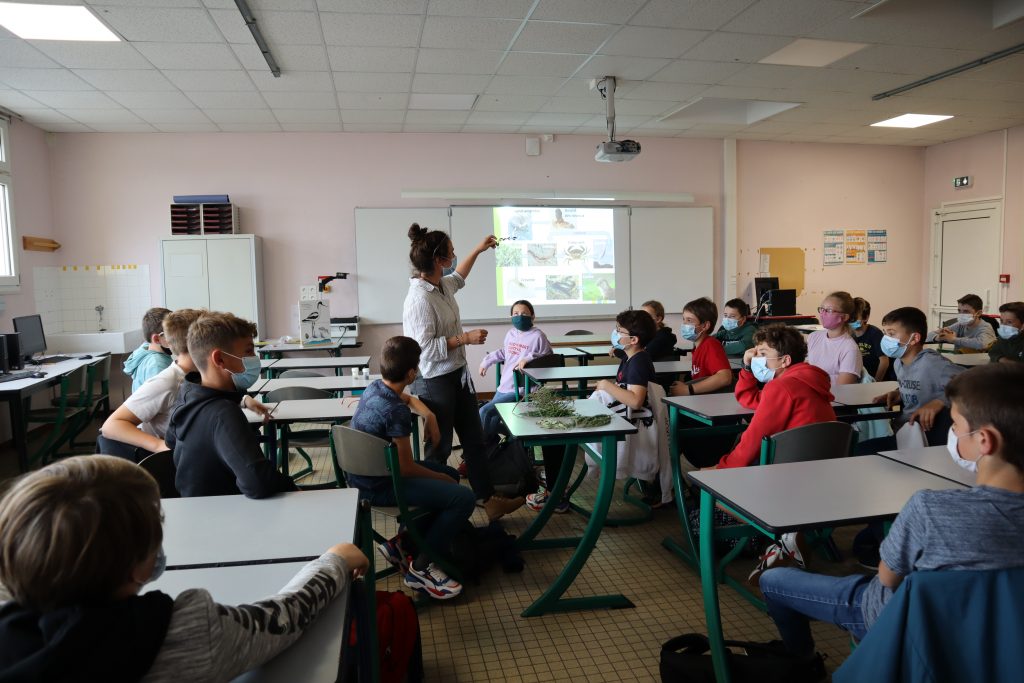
[9, 277]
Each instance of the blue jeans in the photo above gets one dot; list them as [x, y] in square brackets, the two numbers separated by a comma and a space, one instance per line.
[489, 413]
[453, 503]
[794, 597]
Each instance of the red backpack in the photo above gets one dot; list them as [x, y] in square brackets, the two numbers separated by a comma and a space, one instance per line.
[398, 638]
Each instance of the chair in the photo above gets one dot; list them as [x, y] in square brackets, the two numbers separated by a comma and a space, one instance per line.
[161, 466]
[97, 378]
[818, 441]
[577, 333]
[306, 438]
[552, 360]
[297, 374]
[67, 418]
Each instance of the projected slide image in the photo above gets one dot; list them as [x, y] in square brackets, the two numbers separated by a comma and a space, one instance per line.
[555, 255]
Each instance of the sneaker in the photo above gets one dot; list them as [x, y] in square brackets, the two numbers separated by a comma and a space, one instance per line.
[785, 552]
[433, 582]
[392, 553]
[537, 501]
[542, 476]
[498, 506]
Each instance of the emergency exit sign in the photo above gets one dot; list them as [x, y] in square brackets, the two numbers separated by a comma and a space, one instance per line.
[962, 181]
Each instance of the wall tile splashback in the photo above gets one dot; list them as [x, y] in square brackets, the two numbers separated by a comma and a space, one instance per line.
[67, 296]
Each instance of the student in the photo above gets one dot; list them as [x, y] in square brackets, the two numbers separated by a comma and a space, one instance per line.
[215, 448]
[711, 370]
[385, 411]
[954, 529]
[833, 349]
[523, 343]
[152, 357]
[791, 393]
[1010, 346]
[970, 333]
[869, 341]
[81, 538]
[737, 330]
[662, 346]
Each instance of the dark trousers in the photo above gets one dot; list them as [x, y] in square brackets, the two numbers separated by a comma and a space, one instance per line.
[120, 449]
[455, 405]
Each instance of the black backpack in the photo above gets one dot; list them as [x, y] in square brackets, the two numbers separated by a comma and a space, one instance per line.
[510, 468]
[687, 659]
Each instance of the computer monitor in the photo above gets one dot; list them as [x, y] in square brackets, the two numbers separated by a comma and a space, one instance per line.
[762, 285]
[30, 333]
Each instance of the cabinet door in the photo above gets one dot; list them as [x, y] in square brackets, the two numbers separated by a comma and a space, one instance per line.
[231, 277]
[185, 274]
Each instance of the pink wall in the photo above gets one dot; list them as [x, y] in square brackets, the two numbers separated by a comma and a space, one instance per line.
[790, 192]
[982, 158]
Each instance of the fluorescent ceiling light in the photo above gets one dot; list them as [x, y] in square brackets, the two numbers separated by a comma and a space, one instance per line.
[54, 22]
[911, 120]
[724, 111]
[807, 52]
[442, 102]
[498, 194]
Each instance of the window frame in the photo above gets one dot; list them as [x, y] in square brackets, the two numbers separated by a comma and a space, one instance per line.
[9, 284]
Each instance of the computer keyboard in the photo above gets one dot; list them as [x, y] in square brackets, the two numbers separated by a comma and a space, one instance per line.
[47, 360]
[12, 376]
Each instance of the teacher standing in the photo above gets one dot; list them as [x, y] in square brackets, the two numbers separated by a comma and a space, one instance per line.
[431, 317]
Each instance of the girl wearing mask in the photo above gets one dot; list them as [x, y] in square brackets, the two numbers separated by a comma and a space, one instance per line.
[833, 349]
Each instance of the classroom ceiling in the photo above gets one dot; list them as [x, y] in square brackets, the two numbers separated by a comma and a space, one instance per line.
[352, 65]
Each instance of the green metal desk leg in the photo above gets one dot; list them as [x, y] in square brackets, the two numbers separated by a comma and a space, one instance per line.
[550, 600]
[526, 387]
[688, 551]
[709, 586]
[526, 540]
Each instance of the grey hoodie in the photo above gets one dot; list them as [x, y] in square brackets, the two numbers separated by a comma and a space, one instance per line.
[924, 380]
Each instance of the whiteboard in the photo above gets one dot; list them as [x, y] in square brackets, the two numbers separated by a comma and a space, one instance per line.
[672, 255]
[382, 258]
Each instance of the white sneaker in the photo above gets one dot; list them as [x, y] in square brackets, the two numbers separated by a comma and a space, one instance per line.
[432, 581]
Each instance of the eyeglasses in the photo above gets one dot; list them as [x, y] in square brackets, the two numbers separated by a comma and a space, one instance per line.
[827, 310]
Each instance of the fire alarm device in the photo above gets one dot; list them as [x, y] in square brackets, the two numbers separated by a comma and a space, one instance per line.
[1004, 278]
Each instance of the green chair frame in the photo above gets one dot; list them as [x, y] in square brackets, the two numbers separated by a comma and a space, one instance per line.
[307, 437]
[67, 418]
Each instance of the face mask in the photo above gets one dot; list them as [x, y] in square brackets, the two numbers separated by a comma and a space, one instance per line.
[158, 566]
[249, 374]
[831, 321]
[856, 325]
[730, 323]
[965, 318]
[617, 340]
[1008, 331]
[165, 349]
[759, 366]
[951, 445]
[891, 347]
[450, 269]
[522, 322]
[688, 332]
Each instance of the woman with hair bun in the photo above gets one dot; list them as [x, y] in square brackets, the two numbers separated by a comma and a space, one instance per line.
[431, 316]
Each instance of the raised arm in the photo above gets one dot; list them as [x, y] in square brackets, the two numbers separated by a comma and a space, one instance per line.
[466, 265]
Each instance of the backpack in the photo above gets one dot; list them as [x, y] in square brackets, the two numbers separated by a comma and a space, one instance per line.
[400, 653]
[476, 549]
[687, 659]
[510, 468]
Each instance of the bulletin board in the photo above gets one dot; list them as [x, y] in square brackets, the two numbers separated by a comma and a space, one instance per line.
[787, 264]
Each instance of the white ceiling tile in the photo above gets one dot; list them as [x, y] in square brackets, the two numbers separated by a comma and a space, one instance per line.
[151, 100]
[186, 127]
[372, 100]
[770, 76]
[220, 4]
[98, 116]
[73, 99]
[373, 6]
[575, 105]
[736, 47]
[250, 127]
[490, 128]
[789, 17]
[847, 80]
[597, 11]
[740, 92]
[905, 59]
[511, 85]
[123, 128]
[354, 81]
[547, 130]
[540, 64]
[502, 9]
[231, 26]
[628, 68]
[418, 116]
[693, 71]
[431, 128]
[396, 59]
[301, 100]
[468, 33]
[290, 28]
[210, 80]
[307, 116]
[284, 5]
[42, 79]
[17, 101]
[155, 24]
[644, 41]
[222, 116]
[528, 103]
[67, 128]
[644, 107]
[371, 29]
[214, 99]
[311, 127]
[159, 116]
[200, 57]
[674, 92]
[505, 118]
[580, 87]
[1009, 69]
[40, 116]
[372, 116]
[138, 80]
[622, 122]
[78, 55]
[288, 57]
[558, 120]
[147, 3]
[433, 61]
[692, 14]
[449, 83]
[19, 53]
[554, 36]
[372, 127]
[297, 81]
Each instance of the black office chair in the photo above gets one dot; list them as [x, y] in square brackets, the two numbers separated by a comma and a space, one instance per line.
[577, 333]
[161, 467]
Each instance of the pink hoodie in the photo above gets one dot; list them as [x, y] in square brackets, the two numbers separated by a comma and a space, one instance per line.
[518, 346]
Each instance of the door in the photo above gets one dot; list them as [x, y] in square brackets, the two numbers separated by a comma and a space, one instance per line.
[965, 256]
[185, 273]
[231, 276]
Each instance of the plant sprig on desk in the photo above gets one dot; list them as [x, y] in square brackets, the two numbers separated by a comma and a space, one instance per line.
[557, 412]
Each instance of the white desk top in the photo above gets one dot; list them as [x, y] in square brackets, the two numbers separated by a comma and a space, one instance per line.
[807, 329]
[322, 362]
[521, 426]
[312, 659]
[861, 395]
[267, 362]
[52, 370]
[969, 360]
[597, 350]
[933, 459]
[711, 406]
[327, 409]
[332, 383]
[820, 493]
[600, 371]
[335, 344]
[574, 340]
[226, 529]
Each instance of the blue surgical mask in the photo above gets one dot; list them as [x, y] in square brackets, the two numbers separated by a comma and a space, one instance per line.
[730, 323]
[892, 347]
[616, 339]
[522, 322]
[954, 450]
[249, 374]
[1008, 331]
[688, 332]
[450, 269]
[159, 565]
[759, 366]
[965, 318]
[856, 325]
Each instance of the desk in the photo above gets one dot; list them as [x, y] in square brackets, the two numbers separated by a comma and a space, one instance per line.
[334, 347]
[969, 360]
[337, 363]
[861, 395]
[334, 383]
[786, 319]
[807, 329]
[526, 430]
[934, 460]
[286, 413]
[774, 500]
[566, 352]
[575, 340]
[235, 530]
[313, 658]
[584, 374]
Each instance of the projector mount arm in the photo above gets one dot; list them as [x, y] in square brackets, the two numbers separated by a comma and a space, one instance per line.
[606, 87]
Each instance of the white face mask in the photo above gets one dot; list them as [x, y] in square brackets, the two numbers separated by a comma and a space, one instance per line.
[951, 445]
[965, 318]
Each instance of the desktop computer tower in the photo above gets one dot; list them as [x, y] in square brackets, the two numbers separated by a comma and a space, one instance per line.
[782, 301]
[4, 366]
[12, 348]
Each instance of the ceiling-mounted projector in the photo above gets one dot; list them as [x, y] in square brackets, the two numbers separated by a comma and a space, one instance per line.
[613, 150]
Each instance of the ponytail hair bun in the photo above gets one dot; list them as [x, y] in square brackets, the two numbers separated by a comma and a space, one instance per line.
[416, 233]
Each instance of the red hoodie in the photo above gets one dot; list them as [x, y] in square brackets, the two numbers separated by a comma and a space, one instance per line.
[800, 396]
